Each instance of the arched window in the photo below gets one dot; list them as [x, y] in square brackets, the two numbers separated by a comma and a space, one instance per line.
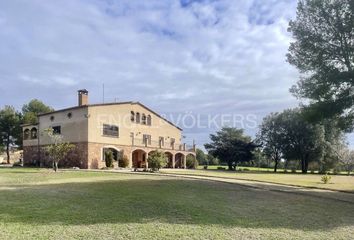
[137, 119]
[143, 119]
[132, 116]
[33, 133]
[26, 134]
[149, 120]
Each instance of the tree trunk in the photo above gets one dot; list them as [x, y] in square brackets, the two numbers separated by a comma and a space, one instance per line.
[55, 166]
[230, 166]
[276, 165]
[8, 149]
[304, 165]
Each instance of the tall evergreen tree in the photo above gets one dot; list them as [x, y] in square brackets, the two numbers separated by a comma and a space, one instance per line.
[10, 129]
[323, 51]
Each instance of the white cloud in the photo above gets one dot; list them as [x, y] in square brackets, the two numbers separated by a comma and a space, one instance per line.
[204, 57]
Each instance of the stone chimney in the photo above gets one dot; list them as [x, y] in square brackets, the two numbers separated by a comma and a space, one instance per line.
[83, 97]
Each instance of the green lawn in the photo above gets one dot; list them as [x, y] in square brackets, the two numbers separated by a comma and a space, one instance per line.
[338, 182]
[40, 204]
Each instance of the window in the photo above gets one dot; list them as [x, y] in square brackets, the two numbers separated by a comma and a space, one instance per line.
[149, 120]
[26, 134]
[52, 118]
[132, 116]
[137, 117]
[33, 133]
[56, 130]
[70, 115]
[143, 119]
[147, 139]
[161, 141]
[110, 130]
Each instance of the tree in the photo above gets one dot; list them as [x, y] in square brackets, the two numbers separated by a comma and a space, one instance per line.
[323, 51]
[201, 157]
[212, 160]
[58, 149]
[302, 140]
[191, 162]
[344, 156]
[231, 146]
[157, 160]
[32, 109]
[335, 141]
[260, 159]
[10, 129]
[271, 136]
[348, 161]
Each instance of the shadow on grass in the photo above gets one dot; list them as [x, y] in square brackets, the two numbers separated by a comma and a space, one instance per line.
[174, 201]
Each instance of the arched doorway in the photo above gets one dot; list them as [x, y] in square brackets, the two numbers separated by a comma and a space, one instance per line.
[139, 158]
[179, 160]
[169, 157]
[115, 153]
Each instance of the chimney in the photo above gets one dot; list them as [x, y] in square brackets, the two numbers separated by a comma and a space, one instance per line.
[83, 97]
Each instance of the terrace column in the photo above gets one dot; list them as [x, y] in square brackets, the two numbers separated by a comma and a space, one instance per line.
[146, 161]
[184, 162]
[173, 160]
[130, 165]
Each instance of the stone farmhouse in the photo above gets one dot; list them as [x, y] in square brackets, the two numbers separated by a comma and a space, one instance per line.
[125, 128]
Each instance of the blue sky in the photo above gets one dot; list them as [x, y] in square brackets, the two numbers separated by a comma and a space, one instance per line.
[198, 58]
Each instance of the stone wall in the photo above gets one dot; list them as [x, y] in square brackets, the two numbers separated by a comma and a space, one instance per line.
[85, 155]
[95, 154]
[32, 156]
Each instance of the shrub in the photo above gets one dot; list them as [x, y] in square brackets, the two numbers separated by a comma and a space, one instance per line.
[205, 167]
[326, 178]
[191, 162]
[221, 168]
[123, 161]
[108, 158]
[157, 160]
[246, 169]
[293, 170]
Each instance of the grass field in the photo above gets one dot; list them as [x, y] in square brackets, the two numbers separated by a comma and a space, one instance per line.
[41, 204]
[338, 182]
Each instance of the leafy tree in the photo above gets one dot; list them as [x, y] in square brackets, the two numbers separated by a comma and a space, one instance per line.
[334, 144]
[10, 129]
[302, 140]
[191, 162]
[32, 109]
[260, 159]
[157, 160]
[201, 157]
[347, 161]
[231, 146]
[212, 160]
[58, 149]
[271, 136]
[323, 51]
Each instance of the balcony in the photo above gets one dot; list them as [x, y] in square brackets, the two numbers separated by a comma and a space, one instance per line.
[140, 142]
